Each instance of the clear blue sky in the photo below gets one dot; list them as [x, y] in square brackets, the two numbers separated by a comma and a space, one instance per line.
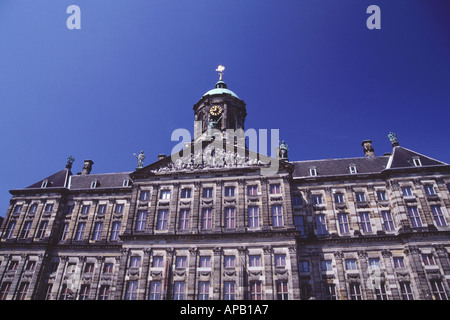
[133, 72]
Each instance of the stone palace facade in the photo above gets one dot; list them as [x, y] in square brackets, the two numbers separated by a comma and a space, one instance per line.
[373, 227]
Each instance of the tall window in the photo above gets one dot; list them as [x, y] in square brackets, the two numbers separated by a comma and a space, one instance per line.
[104, 292]
[10, 229]
[23, 289]
[135, 262]
[407, 192]
[380, 292]
[255, 290]
[26, 229]
[42, 229]
[141, 220]
[115, 231]
[158, 262]
[205, 262]
[297, 201]
[102, 209]
[253, 217]
[327, 265]
[165, 195]
[85, 209]
[343, 223]
[80, 231]
[338, 198]
[350, 264]
[405, 290]
[429, 190]
[321, 224]
[438, 216]
[64, 231]
[254, 261]
[131, 293]
[282, 290]
[229, 191]
[181, 262]
[399, 262]
[207, 218]
[119, 208]
[428, 260]
[97, 231]
[355, 291]
[388, 222]
[438, 290]
[144, 196]
[381, 195]
[184, 219]
[84, 292]
[33, 209]
[207, 192]
[17, 209]
[277, 216]
[317, 199]
[229, 262]
[252, 190]
[178, 290]
[185, 193]
[280, 260]
[360, 197]
[4, 289]
[229, 290]
[161, 222]
[365, 222]
[203, 290]
[330, 292]
[48, 207]
[415, 217]
[275, 188]
[230, 218]
[155, 290]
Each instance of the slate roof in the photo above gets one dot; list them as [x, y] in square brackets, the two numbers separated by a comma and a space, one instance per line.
[401, 158]
[107, 180]
[56, 180]
[333, 167]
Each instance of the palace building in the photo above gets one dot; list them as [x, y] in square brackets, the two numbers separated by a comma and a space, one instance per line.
[210, 222]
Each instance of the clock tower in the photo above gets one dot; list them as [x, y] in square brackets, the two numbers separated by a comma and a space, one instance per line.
[220, 109]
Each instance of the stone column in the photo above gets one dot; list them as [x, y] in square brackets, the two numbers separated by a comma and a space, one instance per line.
[444, 262]
[269, 286]
[143, 280]
[368, 293]
[173, 209]
[294, 271]
[418, 273]
[216, 274]
[218, 209]
[192, 276]
[342, 289]
[120, 284]
[266, 217]
[242, 274]
[241, 208]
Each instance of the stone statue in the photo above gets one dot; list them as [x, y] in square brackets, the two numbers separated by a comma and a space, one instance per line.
[284, 150]
[393, 138]
[140, 157]
[70, 161]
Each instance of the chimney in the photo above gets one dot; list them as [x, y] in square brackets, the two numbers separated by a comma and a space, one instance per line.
[161, 156]
[368, 148]
[87, 167]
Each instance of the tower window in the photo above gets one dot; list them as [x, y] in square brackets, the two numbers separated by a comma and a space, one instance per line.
[352, 169]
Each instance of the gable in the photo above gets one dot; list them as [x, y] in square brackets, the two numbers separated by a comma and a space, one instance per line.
[404, 158]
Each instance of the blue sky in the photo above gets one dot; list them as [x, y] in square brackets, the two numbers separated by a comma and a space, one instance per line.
[133, 72]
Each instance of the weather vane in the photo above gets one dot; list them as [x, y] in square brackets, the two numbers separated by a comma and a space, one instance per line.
[220, 69]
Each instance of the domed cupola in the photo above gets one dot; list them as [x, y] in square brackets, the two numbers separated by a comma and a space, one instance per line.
[220, 107]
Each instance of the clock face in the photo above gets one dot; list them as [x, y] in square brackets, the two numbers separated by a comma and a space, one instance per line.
[215, 110]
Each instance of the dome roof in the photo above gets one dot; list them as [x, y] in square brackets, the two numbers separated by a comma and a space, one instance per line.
[220, 87]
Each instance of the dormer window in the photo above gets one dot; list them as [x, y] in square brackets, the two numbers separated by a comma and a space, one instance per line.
[94, 184]
[44, 183]
[313, 172]
[352, 169]
[126, 183]
[416, 162]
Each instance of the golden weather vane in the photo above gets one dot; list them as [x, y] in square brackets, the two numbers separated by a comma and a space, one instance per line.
[220, 69]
